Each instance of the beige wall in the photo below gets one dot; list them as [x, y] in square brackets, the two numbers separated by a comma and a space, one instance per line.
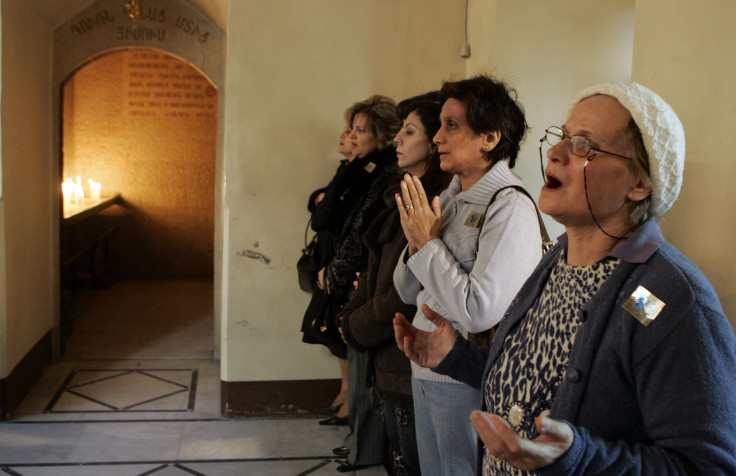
[548, 51]
[3, 294]
[293, 68]
[684, 50]
[26, 142]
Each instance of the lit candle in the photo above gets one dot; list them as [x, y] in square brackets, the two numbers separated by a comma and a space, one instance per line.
[94, 189]
[79, 191]
[66, 190]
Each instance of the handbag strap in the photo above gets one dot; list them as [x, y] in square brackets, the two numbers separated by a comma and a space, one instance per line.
[546, 242]
[306, 233]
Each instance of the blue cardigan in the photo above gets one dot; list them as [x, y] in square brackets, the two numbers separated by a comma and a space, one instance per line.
[656, 399]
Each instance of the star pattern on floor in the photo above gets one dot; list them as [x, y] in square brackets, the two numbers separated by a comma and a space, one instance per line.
[156, 390]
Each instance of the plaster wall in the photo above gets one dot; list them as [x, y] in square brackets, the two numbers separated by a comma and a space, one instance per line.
[548, 51]
[3, 293]
[684, 51]
[293, 68]
[26, 279]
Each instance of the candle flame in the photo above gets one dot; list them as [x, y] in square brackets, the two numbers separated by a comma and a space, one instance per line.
[73, 192]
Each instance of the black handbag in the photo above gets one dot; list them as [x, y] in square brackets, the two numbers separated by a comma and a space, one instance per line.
[307, 266]
[325, 324]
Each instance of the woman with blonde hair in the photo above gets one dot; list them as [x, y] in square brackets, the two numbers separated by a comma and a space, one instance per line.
[366, 320]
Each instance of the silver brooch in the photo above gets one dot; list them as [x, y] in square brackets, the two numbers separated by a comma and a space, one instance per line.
[643, 305]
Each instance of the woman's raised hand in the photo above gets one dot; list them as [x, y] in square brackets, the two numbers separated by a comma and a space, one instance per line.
[421, 221]
[427, 349]
[502, 441]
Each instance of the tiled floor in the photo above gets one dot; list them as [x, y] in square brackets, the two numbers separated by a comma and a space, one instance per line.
[138, 394]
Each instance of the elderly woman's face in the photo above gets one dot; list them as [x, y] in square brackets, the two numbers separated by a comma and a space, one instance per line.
[344, 147]
[362, 139]
[460, 148]
[611, 180]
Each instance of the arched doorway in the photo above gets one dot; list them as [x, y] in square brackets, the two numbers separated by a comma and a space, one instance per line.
[174, 29]
[142, 124]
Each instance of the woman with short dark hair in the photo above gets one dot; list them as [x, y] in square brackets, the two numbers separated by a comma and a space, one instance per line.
[468, 253]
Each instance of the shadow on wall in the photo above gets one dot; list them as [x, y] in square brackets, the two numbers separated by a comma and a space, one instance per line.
[141, 245]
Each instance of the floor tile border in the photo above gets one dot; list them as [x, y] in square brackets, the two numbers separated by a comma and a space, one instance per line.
[325, 459]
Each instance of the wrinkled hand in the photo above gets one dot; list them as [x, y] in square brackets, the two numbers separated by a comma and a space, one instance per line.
[425, 348]
[502, 441]
[421, 221]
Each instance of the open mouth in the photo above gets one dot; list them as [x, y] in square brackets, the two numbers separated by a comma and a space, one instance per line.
[552, 182]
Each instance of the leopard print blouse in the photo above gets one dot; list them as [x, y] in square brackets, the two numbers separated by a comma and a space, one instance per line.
[522, 384]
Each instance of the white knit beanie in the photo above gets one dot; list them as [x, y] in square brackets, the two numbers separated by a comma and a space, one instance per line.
[664, 137]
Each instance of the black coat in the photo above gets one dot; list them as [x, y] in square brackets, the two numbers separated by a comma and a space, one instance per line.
[375, 173]
[351, 202]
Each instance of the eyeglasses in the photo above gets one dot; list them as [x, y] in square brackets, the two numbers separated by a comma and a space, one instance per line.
[578, 145]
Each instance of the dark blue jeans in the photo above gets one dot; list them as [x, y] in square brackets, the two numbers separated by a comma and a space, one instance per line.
[402, 437]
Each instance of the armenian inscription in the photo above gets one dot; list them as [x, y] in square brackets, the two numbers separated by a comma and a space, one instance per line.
[89, 23]
[157, 85]
[148, 24]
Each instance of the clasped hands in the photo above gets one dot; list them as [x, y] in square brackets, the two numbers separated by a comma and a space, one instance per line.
[428, 349]
[421, 221]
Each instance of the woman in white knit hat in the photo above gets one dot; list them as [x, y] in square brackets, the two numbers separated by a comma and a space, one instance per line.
[616, 356]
